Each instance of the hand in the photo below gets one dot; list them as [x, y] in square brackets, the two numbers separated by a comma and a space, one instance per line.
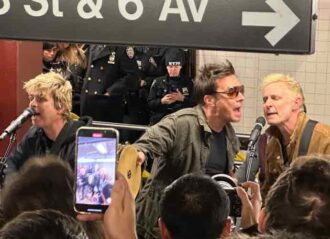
[90, 217]
[167, 99]
[141, 158]
[177, 96]
[107, 93]
[143, 83]
[119, 218]
[251, 204]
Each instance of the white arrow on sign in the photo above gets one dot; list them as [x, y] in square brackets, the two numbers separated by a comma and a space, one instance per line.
[283, 20]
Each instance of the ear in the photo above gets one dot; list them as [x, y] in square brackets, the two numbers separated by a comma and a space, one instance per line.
[297, 103]
[163, 229]
[60, 109]
[262, 220]
[227, 229]
[209, 100]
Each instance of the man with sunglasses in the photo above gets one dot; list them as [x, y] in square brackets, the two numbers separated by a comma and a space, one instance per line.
[191, 140]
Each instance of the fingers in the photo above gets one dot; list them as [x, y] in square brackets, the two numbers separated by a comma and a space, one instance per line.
[254, 189]
[128, 201]
[89, 217]
[250, 184]
[242, 195]
[118, 191]
[141, 158]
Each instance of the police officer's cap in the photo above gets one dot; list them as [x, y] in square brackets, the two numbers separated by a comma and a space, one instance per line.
[174, 57]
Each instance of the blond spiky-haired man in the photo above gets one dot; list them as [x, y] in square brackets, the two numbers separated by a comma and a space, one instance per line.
[283, 105]
[53, 132]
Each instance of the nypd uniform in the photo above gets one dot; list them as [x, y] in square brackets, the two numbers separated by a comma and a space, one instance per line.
[110, 70]
[151, 65]
[168, 84]
[165, 85]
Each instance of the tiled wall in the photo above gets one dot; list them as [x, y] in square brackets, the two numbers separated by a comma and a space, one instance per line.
[312, 71]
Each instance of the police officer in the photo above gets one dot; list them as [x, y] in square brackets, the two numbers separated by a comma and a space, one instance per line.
[151, 65]
[111, 73]
[171, 92]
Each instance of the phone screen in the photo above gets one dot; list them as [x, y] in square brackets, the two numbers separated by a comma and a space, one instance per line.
[96, 153]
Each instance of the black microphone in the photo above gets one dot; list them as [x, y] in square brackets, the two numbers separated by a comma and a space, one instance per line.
[14, 125]
[260, 122]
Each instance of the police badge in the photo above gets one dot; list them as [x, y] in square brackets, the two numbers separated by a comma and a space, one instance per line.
[185, 91]
[112, 58]
[152, 61]
[139, 63]
[130, 52]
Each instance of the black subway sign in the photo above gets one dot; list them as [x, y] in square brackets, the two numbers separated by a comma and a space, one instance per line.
[286, 26]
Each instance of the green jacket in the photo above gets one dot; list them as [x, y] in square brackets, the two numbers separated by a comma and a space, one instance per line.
[319, 144]
[179, 144]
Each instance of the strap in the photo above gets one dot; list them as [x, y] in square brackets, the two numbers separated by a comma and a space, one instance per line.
[61, 138]
[262, 143]
[306, 137]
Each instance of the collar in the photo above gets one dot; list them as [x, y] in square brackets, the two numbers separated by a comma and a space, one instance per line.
[273, 131]
[230, 132]
[202, 118]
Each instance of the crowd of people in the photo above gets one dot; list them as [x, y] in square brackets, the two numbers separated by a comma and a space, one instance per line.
[193, 206]
[185, 147]
[94, 184]
[118, 80]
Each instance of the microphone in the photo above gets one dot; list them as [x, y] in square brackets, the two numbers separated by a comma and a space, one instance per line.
[260, 122]
[17, 123]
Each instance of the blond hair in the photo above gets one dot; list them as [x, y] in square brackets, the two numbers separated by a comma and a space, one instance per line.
[59, 88]
[292, 85]
[73, 55]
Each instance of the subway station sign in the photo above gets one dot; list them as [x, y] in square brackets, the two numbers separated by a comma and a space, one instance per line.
[280, 26]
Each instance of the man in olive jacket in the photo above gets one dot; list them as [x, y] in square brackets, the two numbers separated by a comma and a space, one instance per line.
[191, 140]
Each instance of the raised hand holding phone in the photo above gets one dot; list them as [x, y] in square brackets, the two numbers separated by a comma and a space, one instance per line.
[96, 157]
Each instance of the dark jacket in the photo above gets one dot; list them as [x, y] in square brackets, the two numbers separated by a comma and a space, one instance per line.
[110, 70]
[151, 63]
[34, 143]
[179, 144]
[165, 85]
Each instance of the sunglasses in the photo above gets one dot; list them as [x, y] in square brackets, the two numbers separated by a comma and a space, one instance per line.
[232, 92]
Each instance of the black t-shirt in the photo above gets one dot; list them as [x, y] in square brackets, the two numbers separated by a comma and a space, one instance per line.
[217, 162]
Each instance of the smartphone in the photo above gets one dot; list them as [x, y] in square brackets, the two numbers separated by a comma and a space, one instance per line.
[95, 170]
[235, 203]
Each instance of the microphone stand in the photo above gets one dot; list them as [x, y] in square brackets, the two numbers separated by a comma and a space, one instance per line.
[3, 160]
[252, 154]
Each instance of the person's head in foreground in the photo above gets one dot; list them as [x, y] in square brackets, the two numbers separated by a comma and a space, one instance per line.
[299, 201]
[194, 206]
[43, 224]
